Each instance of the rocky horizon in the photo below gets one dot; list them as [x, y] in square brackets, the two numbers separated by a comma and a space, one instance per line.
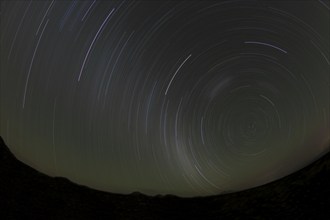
[27, 193]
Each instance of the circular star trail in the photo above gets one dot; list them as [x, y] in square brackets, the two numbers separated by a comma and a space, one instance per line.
[190, 98]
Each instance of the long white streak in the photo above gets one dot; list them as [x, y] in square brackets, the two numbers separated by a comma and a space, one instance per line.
[34, 53]
[91, 45]
[19, 27]
[176, 124]
[44, 17]
[115, 64]
[88, 10]
[176, 73]
[255, 42]
[108, 65]
[202, 134]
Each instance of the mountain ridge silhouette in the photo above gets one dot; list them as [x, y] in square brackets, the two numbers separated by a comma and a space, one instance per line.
[28, 194]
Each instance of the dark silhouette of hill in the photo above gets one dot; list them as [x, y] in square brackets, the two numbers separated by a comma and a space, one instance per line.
[27, 194]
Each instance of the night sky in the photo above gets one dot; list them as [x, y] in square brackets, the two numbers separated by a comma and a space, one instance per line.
[166, 97]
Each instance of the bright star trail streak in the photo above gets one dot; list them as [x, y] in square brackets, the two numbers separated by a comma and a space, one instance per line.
[34, 53]
[91, 45]
[169, 84]
[191, 98]
[251, 42]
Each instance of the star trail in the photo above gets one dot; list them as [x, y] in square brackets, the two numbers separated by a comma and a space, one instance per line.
[191, 98]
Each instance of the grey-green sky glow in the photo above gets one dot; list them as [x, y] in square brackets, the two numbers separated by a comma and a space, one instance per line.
[165, 97]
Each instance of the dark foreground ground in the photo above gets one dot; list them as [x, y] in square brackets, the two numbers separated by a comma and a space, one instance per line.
[27, 194]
